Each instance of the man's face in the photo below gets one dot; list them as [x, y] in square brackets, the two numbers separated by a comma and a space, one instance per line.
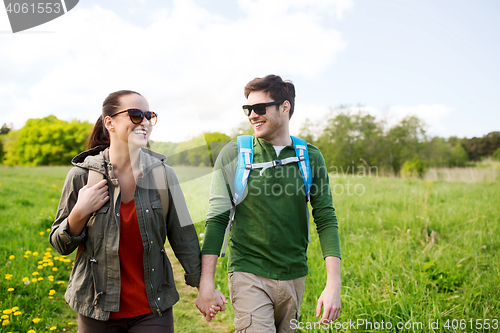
[269, 125]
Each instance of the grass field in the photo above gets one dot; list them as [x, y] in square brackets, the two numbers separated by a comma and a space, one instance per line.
[417, 255]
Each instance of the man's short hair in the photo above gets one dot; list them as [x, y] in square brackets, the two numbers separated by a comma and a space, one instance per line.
[276, 87]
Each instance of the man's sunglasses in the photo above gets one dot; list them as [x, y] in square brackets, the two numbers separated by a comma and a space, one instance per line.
[137, 115]
[259, 109]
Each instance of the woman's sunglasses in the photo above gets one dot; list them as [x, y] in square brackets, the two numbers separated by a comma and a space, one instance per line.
[137, 115]
[259, 109]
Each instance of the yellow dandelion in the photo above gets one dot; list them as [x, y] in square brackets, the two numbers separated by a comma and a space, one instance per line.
[26, 256]
[40, 262]
[57, 258]
[25, 279]
[48, 229]
[35, 253]
[31, 331]
[47, 254]
[54, 269]
[7, 312]
[34, 280]
[15, 308]
[53, 328]
[36, 320]
[39, 267]
[10, 289]
[17, 313]
[42, 233]
[4, 317]
[8, 276]
[27, 252]
[50, 264]
[40, 278]
[5, 322]
[48, 249]
[52, 292]
[51, 297]
[12, 256]
[70, 323]
[61, 282]
[35, 273]
[67, 260]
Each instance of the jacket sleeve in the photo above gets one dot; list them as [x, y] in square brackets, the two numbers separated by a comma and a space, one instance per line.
[60, 238]
[181, 232]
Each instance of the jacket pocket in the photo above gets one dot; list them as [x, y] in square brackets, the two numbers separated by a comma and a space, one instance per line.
[96, 223]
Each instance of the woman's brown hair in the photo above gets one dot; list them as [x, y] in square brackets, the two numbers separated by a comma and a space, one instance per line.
[100, 135]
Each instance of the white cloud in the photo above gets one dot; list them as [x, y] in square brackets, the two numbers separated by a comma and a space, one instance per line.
[190, 63]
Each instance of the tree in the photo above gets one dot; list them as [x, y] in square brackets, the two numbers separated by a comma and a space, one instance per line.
[458, 156]
[5, 129]
[405, 142]
[47, 141]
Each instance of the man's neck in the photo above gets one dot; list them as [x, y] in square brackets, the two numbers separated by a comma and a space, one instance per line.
[283, 139]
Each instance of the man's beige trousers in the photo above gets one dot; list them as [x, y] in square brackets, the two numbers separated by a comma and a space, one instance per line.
[264, 305]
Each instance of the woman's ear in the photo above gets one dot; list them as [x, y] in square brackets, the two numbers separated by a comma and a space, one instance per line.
[109, 124]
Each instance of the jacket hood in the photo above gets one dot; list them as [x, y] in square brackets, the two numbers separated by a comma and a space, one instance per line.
[97, 159]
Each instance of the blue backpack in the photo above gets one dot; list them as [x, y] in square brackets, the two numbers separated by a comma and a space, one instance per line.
[245, 165]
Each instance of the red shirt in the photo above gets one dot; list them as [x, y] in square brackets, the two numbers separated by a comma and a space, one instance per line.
[133, 298]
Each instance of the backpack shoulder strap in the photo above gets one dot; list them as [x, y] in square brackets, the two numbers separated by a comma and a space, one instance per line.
[93, 178]
[302, 153]
[160, 177]
[245, 159]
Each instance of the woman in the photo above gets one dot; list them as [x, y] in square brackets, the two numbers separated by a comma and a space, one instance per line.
[122, 279]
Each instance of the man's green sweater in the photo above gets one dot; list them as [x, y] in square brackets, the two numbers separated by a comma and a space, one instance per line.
[269, 234]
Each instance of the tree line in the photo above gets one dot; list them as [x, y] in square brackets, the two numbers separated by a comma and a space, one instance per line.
[358, 140]
[349, 140]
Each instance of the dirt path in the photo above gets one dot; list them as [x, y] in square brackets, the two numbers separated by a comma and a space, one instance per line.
[186, 315]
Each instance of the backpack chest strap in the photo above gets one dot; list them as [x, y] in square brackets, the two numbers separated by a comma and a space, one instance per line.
[272, 164]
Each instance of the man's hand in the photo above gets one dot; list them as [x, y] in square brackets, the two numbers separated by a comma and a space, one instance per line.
[210, 301]
[330, 297]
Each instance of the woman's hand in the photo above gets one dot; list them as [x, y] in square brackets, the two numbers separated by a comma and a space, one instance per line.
[89, 200]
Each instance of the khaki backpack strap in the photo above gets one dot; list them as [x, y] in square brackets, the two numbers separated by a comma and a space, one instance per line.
[160, 177]
[93, 178]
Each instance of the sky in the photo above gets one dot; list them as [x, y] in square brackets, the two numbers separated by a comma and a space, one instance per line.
[437, 60]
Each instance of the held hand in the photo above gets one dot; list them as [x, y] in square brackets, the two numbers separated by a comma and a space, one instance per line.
[210, 302]
[92, 198]
[330, 302]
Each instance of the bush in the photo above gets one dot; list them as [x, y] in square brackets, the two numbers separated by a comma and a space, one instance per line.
[414, 167]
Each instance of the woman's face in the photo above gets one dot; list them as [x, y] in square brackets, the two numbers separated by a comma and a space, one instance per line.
[123, 129]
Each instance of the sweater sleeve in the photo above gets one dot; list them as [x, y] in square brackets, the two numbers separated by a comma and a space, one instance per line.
[220, 199]
[322, 204]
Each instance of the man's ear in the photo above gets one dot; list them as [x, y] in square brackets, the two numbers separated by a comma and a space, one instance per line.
[109, 124]
[286, 108]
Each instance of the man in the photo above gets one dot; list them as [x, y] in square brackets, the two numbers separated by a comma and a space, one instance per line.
[267, 261]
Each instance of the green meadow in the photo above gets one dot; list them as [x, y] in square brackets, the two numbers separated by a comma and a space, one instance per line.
[417, 256]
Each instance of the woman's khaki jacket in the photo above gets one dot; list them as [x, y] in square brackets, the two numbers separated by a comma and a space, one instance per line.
[94, 284]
